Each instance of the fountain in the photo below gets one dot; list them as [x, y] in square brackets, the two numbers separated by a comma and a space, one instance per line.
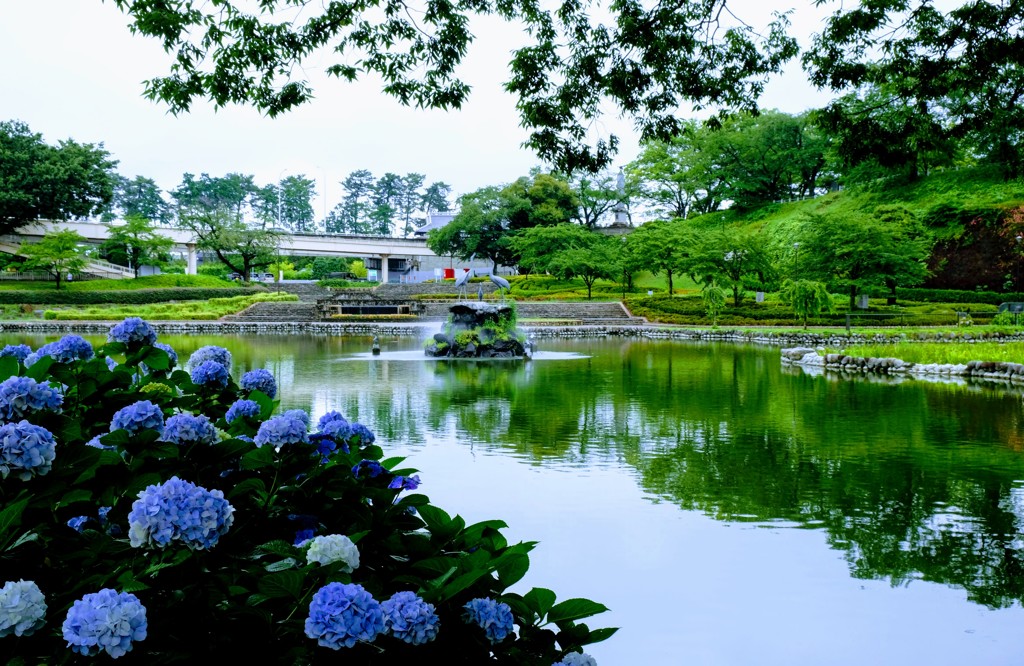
[480, 330]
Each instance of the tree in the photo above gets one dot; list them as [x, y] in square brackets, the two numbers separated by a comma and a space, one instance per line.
[351, 216]
[435, 198]
[888, 127]
[678, 175]
[59, 253]
[238, 246]
[713, 298]
[860, 252]
[387, 197]
[43, 182]
[139, 197]
[539, 200]
[930, 61]
[597, 195]
[292, 206]
[479, 229]
[568, 251]
[808, 298]
[662, 246]
[645, 61]
[215, 210]
[409, 202]
[732, 258]
[134, 243]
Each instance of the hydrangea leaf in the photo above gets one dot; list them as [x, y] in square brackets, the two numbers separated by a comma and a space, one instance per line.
[574, 609]
[282, 584]
[11, 516]
[540, 600]
[8, 366]
[78, 495]
[40, 369]
[598, 635]
[513, 569]
[156, 359]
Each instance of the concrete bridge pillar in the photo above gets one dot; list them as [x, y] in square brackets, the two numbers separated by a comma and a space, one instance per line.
[190, 267]
[384, 268]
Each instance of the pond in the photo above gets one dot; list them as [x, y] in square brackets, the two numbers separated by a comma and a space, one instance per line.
[728, 511]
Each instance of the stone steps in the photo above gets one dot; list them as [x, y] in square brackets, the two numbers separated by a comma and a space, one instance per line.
[289, 312]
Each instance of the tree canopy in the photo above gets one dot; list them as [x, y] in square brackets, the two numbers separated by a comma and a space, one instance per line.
[40, 181]
[59, 253]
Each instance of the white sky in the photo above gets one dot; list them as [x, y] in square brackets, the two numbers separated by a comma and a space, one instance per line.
[71, 69]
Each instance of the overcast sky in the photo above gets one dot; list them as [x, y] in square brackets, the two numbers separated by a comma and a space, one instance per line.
[71, 69]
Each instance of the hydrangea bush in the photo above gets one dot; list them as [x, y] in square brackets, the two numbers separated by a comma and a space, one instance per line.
[143, 519]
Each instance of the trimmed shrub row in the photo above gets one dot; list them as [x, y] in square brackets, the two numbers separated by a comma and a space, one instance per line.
[949, 296]
[120, 297]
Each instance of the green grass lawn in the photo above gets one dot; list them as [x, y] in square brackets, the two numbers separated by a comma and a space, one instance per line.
[939, 352]
[168, 280]
[214, 308]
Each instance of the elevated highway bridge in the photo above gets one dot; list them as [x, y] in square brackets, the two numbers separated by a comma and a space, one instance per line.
[306, 245]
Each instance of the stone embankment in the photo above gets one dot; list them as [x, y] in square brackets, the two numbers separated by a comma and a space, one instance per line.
[989, 370]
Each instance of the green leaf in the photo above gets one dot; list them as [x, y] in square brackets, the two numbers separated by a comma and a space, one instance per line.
[277, 547]
[11, 516]
[512, 570]
[598, 635]
[540, 600]
[156, 359]
[437, 520]
[282, 565]
[261, 457]
[73, 496]
[283, 584]
[389, 463]
[257, 486]
[8, 366]
[267, 405]
[574, 609]
[40, 368]
[462, 582]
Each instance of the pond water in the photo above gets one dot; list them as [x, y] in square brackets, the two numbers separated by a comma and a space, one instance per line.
[729, 512]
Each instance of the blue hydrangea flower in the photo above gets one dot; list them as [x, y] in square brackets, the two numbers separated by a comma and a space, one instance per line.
[260, 380]
[405, 482]
[369, 469]
[105, 621]
[341, 615]
[365, 435]
[67, 349]
[210, 374]
[325, 446]
[337, 429]
[240, 408]
[281, 431]
[170, 352]
[22, 608]
[78, 523]
[19, 352]
[21, 396]
[410, 619]
[184, 429]
[133, 332]
[328, 417]
[178, 510]
[576, 659]
[111, 363]
[298, 414]
[332, 548]
[97, 444]
[138, 416]
[494, 617]
[209, 353]
[26, 450]
[302, 536]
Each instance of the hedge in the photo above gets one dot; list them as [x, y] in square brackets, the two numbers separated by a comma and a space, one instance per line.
[949, 295]
[119, 297]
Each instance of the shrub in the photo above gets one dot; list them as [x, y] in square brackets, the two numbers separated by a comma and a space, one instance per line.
[149, 524]
[123, 297]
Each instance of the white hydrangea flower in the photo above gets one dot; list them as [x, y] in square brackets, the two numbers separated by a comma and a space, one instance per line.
[22, 608]
[333, 548]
